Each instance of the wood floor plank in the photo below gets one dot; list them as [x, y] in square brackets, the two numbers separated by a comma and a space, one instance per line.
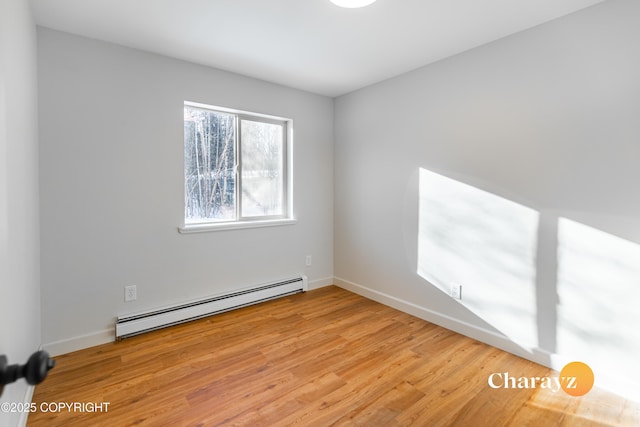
[325, 357]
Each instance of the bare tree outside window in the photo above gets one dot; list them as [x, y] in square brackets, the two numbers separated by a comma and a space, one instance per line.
[209, 165]
[235, 166]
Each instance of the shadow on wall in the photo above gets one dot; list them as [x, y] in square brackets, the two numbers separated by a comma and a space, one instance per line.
[558, 288]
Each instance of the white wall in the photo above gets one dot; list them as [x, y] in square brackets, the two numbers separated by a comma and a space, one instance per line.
[545, 121]
[19, 224]
[111, 123]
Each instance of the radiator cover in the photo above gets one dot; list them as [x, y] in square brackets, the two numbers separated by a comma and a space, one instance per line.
[134, 324]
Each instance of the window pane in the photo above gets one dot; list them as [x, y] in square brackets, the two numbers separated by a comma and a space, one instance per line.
[209, 165]
[262, 148]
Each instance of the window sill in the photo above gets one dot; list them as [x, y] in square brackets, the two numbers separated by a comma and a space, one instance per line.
[209, 227]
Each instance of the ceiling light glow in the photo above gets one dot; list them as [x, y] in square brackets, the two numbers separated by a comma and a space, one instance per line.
[352, 3]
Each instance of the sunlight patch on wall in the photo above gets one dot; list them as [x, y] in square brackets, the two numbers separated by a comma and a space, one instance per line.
[485, 243]
[599, 299]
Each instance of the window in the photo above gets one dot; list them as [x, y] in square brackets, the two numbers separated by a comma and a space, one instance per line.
[236, 167]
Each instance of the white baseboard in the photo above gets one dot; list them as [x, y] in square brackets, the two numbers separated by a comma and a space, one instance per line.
[553, 361]
[81, 342]
[69, 345]
[28, 398]
[483, 335]
[626, 387]
[320, 283]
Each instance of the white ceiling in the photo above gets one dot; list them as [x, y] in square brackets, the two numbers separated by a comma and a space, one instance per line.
[307, 44]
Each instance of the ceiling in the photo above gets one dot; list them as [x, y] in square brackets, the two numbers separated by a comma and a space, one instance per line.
[311, 45]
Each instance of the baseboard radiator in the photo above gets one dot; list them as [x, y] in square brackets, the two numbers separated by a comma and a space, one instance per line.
[134, 324]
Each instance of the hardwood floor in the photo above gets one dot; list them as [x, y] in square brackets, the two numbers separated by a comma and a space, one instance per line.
[327, 357]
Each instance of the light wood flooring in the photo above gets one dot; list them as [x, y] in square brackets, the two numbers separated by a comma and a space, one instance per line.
[326, 357]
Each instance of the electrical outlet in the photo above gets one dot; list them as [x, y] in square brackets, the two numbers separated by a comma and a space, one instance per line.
[130, 293]
[456, 291]
[308, 261]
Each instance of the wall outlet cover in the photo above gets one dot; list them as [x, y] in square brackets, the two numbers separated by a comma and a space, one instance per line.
[130, 293]
[456, 291]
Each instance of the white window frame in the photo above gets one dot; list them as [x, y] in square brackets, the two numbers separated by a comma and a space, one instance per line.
[241, 222]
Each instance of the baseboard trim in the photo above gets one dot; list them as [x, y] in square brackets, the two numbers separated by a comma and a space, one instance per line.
[472, 331]
[320, 283]
[28, 398]
[81, 342]
[105, 336]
